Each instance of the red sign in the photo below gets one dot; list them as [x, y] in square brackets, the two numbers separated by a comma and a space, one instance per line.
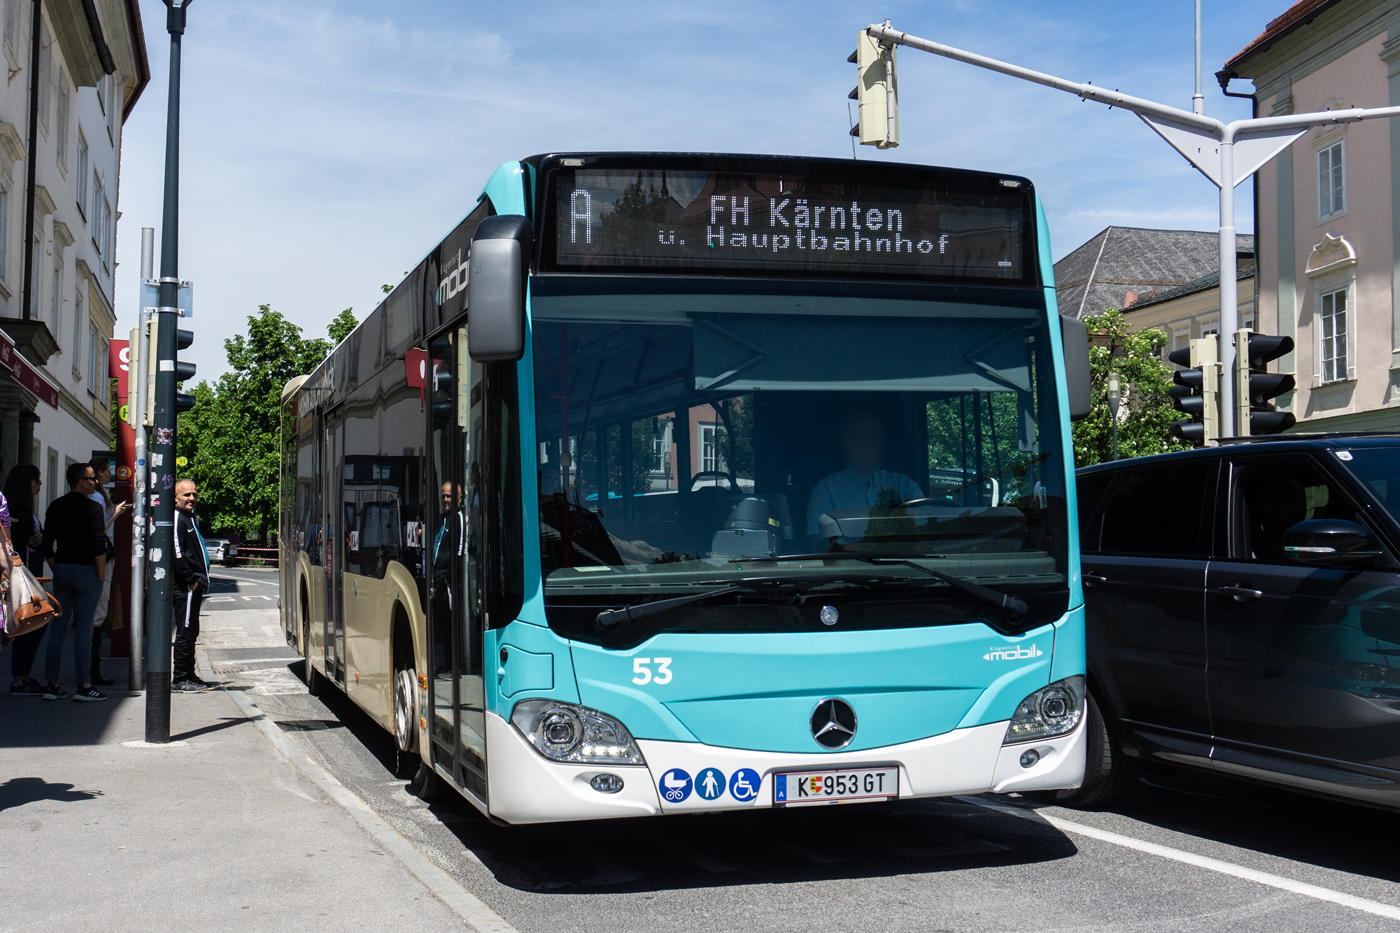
[415, 364]
[24, 374]
[119, 364]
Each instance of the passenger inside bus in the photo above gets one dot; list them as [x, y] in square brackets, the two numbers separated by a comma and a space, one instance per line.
[863, 483]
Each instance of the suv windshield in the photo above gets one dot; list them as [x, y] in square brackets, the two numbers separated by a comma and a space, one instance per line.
[684, 438]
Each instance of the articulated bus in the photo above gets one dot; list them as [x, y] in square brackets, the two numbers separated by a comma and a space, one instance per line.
[672, 483]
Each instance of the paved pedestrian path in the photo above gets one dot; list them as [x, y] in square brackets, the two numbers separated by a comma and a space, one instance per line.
[218, 831]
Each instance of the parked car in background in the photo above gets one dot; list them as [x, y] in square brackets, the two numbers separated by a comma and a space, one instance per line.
[1243, 615]
[219, 550]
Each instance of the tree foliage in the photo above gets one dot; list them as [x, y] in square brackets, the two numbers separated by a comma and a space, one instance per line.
[1146, 412]
[231, 434]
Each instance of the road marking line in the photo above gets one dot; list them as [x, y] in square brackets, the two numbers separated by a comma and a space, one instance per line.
[462, 902]
[1200, 861]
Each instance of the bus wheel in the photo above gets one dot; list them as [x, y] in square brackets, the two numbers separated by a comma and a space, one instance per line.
[313, 680]
[1108, 773]
[405, 724]
[426, 785]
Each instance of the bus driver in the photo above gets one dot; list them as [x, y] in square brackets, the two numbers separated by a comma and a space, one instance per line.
[864, 483]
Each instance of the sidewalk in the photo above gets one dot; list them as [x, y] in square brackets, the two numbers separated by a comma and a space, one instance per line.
[216, 832]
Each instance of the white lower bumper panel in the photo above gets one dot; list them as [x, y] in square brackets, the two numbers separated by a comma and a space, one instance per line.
[526, 788]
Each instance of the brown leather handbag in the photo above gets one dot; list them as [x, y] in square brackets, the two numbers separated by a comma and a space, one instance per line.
[31, 606]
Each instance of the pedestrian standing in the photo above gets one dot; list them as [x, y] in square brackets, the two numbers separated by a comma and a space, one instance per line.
[7, 566]
[76, 548]
[111, 511]
[26, 537]
[191, 583]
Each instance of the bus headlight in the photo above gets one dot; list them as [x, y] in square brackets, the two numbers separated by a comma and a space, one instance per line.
[1050, 711]
[571, 733]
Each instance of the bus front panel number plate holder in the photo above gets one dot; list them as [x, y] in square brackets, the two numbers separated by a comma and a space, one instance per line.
[840, 785]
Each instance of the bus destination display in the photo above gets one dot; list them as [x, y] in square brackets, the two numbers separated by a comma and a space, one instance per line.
[631, 219]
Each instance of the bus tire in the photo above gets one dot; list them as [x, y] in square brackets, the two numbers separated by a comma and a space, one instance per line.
[313, 679]
[426, 785]
[406, 756]
[1108, 773]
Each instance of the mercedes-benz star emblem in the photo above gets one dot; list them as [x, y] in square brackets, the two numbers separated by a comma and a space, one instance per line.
[833, 723]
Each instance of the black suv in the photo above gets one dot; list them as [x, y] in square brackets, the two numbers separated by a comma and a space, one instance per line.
[1243, 615]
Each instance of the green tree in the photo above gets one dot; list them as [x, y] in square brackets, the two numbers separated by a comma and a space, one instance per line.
[343, 324]
[231, 435]
[1146, 415]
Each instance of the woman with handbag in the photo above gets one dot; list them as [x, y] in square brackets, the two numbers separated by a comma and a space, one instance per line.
[20, 492]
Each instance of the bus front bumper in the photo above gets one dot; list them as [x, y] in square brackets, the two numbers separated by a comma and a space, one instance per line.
[524, 787]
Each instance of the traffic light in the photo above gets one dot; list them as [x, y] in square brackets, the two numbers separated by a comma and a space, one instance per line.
[877, 91]
[1197, 391]
[1255, 385]
[184, 370]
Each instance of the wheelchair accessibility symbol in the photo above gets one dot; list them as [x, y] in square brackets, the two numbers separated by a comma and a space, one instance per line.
[743, 784]
[676, 785]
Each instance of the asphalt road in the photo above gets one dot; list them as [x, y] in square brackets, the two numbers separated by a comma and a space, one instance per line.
[1184, 853]
[241, 588]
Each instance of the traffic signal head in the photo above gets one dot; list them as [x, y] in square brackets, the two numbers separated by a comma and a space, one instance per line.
[877, 91]
[1255, 385]
[1194, 392]
[184, 370]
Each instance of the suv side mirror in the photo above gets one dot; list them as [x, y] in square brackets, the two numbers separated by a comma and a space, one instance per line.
[500, 263]
[1329, 541]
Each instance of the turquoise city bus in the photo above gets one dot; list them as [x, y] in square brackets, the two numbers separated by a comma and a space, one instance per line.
[672, 483]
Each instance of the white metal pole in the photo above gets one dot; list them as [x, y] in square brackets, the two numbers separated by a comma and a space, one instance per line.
[1229, 296]
[1198, 101]
[137, 361]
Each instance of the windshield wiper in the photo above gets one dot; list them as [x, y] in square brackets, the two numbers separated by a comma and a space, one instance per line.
[1010, 604]
[611, 617]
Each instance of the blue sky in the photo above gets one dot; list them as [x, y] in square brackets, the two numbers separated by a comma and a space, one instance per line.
[328, 144]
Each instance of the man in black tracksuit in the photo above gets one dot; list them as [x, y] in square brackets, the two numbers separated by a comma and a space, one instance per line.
[191, 583]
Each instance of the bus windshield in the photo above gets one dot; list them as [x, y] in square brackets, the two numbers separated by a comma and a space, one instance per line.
[687, 440]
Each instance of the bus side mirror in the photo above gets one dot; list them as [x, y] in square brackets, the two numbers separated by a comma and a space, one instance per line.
[500, 264]
[1075, 337]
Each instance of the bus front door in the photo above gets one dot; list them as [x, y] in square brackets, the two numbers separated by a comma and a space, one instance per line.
[334, 480]
[459, 724]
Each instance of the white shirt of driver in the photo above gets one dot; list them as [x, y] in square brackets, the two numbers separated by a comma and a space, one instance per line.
[846, 489]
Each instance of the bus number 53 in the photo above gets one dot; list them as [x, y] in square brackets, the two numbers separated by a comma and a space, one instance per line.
[643, 673]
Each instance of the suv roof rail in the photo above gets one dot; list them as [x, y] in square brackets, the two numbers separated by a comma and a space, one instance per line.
[1324, 436]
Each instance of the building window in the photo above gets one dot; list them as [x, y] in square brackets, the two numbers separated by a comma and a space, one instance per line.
[108, 234]
[712, 438]
[45, 57]
[1331, 180]
[105, 352]
[4, 233]
[79, 315]
[1333, 328]
[97, 212]
[92, 358]
[56, 302]
[82, 173]
[62, 118]
[11, 22]
[54, 486]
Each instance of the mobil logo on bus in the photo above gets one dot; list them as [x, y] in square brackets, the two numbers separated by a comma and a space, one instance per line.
[1012, 653]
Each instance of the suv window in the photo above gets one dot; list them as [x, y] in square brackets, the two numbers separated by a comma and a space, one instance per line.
[1272, 496]
[1160, 512]
[1089, 489]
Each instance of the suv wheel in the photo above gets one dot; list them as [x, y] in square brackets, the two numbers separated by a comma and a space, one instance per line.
[1108, 773]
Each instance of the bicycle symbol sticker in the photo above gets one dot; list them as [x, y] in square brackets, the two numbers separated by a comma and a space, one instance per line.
[676, 785]
[743, 784]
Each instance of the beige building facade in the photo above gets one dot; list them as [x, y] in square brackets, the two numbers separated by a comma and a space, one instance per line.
[1327, 207]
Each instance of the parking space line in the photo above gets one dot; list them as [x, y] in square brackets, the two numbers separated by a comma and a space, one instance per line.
[1199, 861]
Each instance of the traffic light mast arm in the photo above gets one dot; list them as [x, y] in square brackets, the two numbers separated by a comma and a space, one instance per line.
[1261, 138]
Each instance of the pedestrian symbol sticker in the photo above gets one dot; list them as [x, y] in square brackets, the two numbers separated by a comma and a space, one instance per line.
[709, 784]
[743, 785]
[675, 785]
